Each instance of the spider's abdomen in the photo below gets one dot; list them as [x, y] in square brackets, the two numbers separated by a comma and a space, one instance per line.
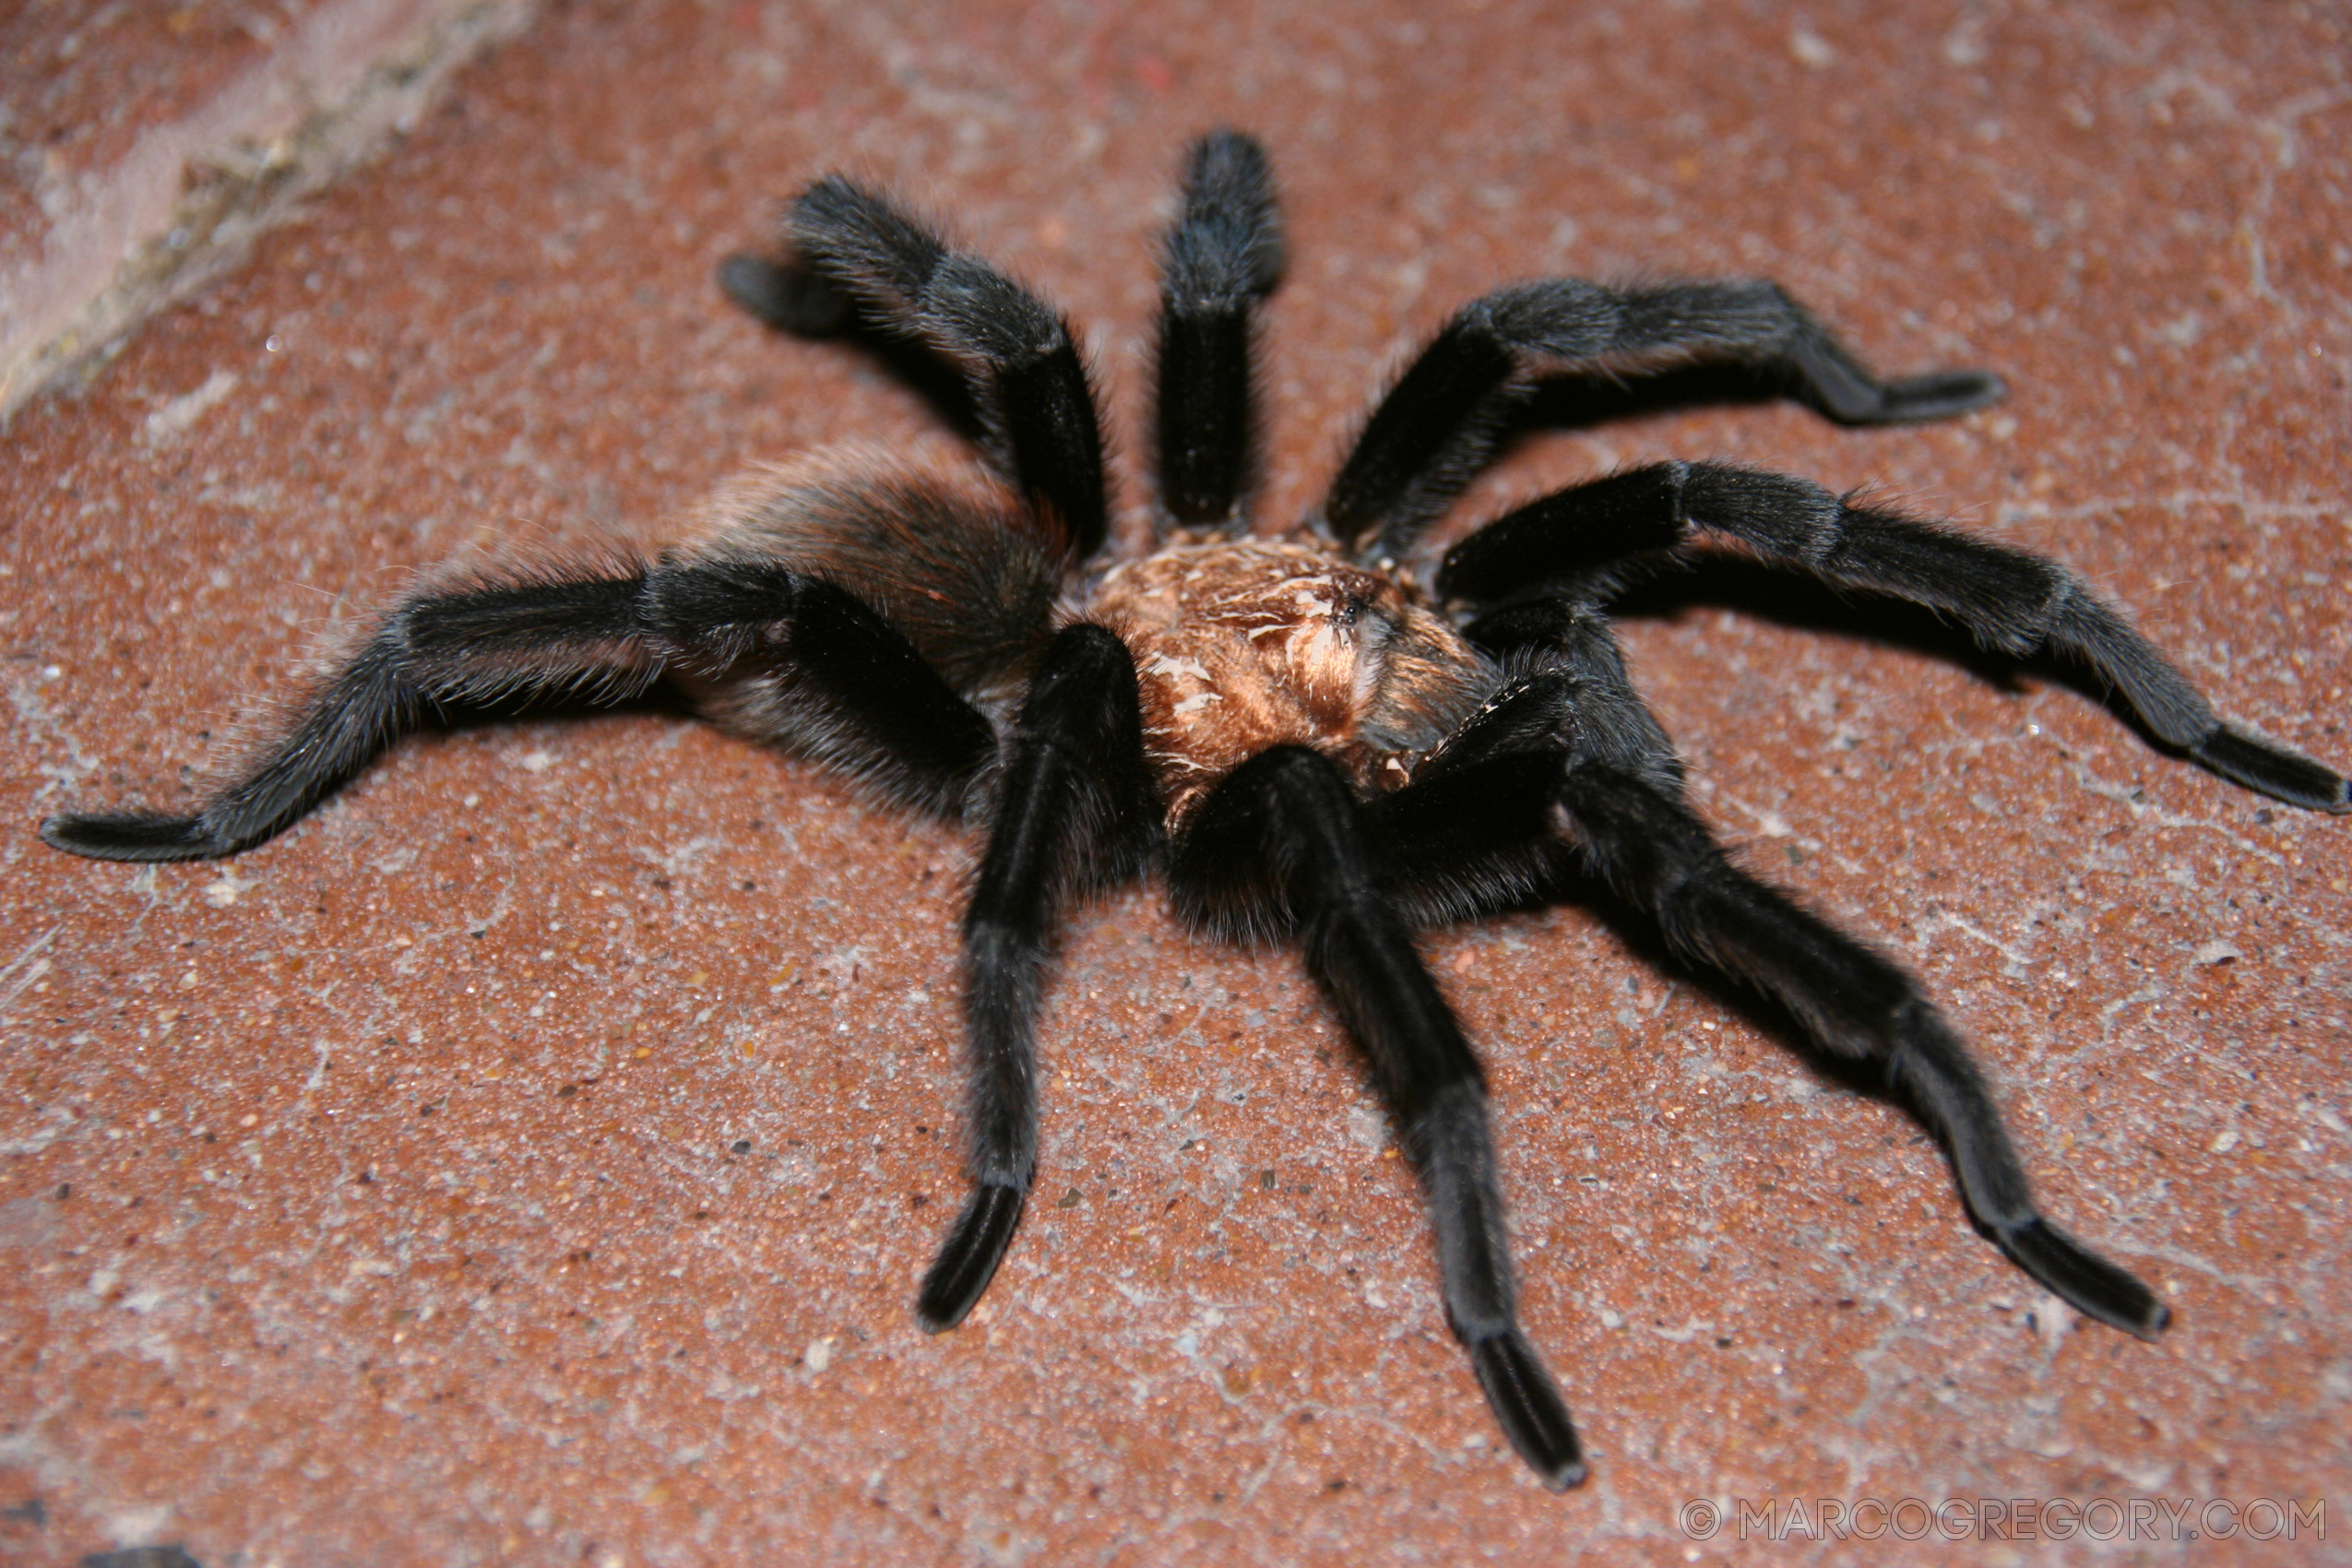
[1243, 645]
[950, 558]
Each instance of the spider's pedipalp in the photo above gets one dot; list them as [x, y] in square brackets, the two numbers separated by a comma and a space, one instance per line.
[1461, 843]
[1473, 832]
[1027, 380]
[2015, 602]
[1073, 810]
[1286, 828]
[1438, 425]
[1223, 257]
[1559, 638]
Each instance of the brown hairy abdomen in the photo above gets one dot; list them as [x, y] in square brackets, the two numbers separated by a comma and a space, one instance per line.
[950, 558]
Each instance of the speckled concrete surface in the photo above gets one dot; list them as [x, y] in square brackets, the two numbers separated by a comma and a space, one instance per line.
[529, 1159]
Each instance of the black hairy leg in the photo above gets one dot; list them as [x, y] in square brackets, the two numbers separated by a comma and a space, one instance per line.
[1281, 843]
[1535, 772]
[1854, 1005]
[1438, 426]
[859, 689]
[791, 296]
[1024, 374]
[1223, 257]
[1075, 809]
[2014, 602]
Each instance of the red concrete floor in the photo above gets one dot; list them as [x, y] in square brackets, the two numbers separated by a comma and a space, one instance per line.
[529, 1159]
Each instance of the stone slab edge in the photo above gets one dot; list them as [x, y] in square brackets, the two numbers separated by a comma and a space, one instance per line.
[186, 201]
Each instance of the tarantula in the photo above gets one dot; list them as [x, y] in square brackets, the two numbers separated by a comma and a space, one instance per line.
[1311, 739]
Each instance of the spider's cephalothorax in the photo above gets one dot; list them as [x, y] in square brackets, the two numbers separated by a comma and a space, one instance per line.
[1311, 745]
[1240, 645]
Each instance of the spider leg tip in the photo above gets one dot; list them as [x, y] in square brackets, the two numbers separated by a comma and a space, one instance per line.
[1567, 1477]
[1975, 388]
[1938, 394]
[2083, 1280]
[2272, 769]
[131, 837]
[2145, 1319]
[968, 1261]
[1528, 1406]
[944, 1303]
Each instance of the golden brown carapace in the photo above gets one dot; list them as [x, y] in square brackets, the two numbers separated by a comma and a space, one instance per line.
[1248, 644]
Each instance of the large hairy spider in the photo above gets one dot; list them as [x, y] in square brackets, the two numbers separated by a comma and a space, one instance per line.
[1311, 739]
